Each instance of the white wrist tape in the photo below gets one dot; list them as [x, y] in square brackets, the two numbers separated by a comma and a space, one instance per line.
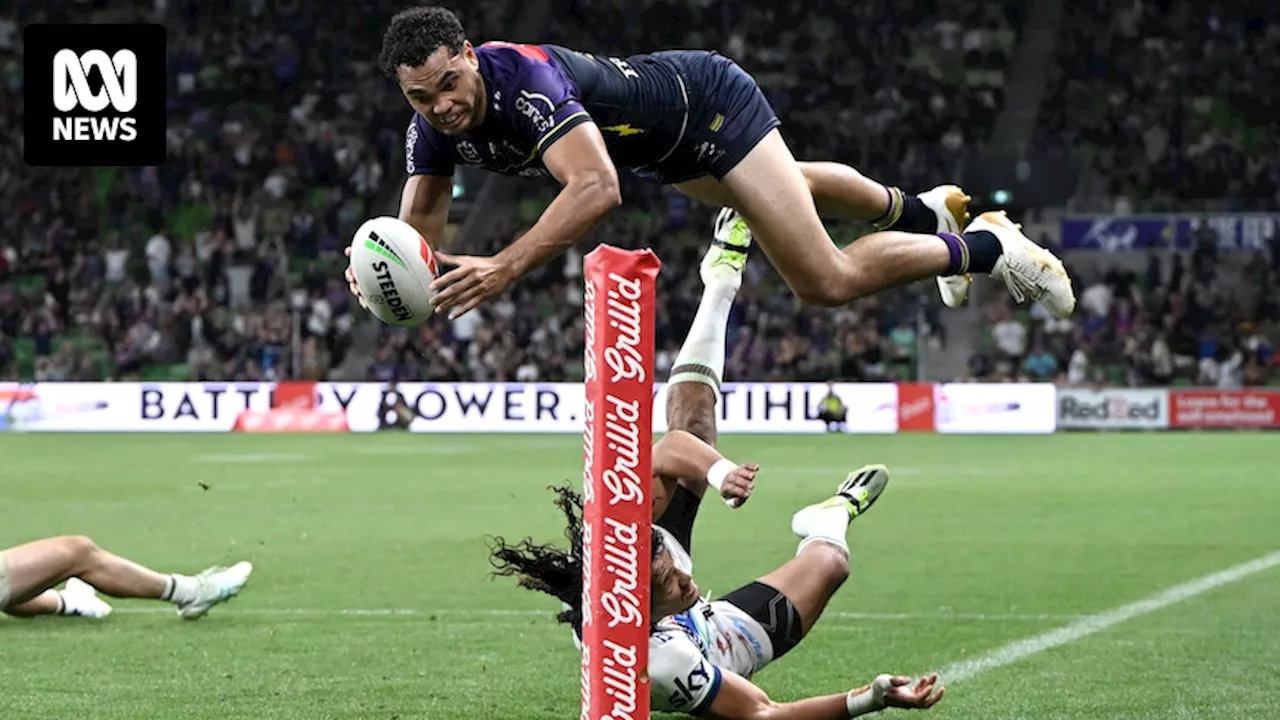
[716, 475]
[869, 700]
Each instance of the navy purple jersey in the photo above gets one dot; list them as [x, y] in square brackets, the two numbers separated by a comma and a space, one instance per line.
[668, 116]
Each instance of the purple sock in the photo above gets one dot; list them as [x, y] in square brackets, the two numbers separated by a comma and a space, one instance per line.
[959, 249]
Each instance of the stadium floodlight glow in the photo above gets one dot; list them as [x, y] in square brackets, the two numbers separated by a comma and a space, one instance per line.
[617, 474]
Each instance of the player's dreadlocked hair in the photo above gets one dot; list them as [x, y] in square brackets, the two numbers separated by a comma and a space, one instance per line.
[415, 34]
[547, 568]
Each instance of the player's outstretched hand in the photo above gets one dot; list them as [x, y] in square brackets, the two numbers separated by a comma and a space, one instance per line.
[738, 484]
[351, 283]
[472, 281]
[921, 696]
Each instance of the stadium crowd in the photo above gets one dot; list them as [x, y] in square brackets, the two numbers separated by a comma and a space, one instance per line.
[1154, 97]
[226, 261]
[1206, 317]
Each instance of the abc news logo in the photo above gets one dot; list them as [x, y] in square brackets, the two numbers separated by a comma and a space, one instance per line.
[95, 95]
[71, 90]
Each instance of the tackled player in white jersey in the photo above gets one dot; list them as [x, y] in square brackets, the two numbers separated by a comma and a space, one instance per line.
[703, 654]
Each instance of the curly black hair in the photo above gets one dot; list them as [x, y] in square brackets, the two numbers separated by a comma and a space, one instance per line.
[415, 34]
[547, 568]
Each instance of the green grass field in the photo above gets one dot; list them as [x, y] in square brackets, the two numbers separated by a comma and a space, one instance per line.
[371, 598]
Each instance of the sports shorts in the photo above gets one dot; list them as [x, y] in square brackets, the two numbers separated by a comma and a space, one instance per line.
[728, 116]
[761, 613]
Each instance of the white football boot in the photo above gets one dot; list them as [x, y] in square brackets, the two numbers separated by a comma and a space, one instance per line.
[81, 600]
[951, 205]
[1031, 272]
[217, 585]
[857, 493]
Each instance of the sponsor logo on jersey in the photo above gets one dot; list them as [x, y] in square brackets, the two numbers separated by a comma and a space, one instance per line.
[688, 687]
[410, 144]
[623, 130]
[538, 108]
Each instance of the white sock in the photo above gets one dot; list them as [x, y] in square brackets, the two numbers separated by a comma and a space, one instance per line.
[181, 590]
[828, 525]
[701, 358]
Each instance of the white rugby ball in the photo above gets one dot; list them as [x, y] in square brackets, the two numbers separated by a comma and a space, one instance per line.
[394, 266]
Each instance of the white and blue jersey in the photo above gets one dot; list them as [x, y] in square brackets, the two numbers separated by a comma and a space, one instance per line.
[688, 652]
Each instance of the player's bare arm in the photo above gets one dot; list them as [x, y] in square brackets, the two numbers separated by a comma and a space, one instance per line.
[680, 455]
[740, 699]
[424, 204]
[580, 161]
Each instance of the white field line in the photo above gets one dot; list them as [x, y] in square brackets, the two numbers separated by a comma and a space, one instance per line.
[549, 613]
[1096, 623]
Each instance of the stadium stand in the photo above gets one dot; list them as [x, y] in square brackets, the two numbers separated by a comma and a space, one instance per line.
[225, 262]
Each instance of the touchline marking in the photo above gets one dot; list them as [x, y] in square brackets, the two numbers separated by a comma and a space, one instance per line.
[410, 612]
[1091, 624]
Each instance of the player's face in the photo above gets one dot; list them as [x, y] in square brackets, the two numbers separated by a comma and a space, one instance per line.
[447, 89]
[673, 590]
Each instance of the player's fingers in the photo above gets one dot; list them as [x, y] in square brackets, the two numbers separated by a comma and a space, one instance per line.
[453, 276]
[458, 287]
[935, 697]
[347, 252]
[466, 302]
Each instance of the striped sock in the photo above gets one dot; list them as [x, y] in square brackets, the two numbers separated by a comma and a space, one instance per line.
[701, 358]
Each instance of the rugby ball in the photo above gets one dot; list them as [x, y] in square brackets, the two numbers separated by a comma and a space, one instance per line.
[394, 266]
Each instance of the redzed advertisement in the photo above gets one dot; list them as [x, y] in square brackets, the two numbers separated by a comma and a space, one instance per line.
[1243, 409]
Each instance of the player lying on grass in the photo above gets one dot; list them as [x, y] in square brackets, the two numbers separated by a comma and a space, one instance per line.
[692, 119]
[29, 573]
[702, 653]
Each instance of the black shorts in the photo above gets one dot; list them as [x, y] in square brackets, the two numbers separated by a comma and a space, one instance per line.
[728, 116]
[774, 611]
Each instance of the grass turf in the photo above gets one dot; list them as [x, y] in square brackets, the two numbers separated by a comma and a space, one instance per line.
[371, 597]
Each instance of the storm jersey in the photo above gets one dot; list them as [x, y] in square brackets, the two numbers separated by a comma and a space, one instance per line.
[668, 116]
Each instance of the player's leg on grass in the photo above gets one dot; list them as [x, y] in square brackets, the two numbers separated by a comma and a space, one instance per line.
[821, 565]
[34, 569]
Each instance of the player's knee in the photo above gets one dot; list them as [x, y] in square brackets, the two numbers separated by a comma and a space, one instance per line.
[834, 565]
[80, 549]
